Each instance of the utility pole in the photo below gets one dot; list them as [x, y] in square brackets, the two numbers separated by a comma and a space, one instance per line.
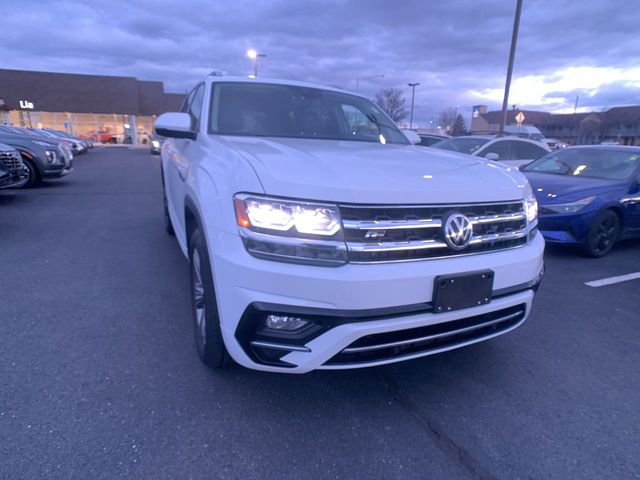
[413, 96]
[512, 54]
[575, 106]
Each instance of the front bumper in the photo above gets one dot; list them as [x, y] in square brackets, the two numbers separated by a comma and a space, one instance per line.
[569, 229]
[367, 291]
[13, 181]
[56, 171]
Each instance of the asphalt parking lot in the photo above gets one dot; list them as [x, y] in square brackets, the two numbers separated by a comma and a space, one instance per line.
[99, 377]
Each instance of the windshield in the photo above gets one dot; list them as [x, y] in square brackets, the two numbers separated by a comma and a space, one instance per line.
[585, 162]
[460, 144]
[268, 110]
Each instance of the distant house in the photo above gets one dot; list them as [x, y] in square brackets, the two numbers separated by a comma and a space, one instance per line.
[621, 124]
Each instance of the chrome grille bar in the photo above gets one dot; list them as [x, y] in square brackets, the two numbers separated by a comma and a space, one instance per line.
[394, 246]
[492, 237]
[427, 244]
[510, 217]
[435, 336]
[391, 224]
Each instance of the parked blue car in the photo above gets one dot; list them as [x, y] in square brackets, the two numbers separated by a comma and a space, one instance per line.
[588, 196]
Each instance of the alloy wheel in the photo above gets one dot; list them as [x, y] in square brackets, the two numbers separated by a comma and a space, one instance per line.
[604, 234]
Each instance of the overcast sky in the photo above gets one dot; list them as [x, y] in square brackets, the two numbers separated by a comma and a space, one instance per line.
[456, 49]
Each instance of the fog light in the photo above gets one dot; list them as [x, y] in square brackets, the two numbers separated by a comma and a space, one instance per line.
[283, 322]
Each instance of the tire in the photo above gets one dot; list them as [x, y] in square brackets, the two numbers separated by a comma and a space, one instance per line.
[33, 175]
[204, 308]
[168, 226]
[603, 233]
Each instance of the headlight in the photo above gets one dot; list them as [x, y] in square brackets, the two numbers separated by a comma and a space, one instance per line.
[290, 231]
[52, 156]
[285, 216]
[571, 207]
[156, 144]
[531, 208]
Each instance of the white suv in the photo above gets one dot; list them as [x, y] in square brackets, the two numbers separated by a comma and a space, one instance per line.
[319, 238]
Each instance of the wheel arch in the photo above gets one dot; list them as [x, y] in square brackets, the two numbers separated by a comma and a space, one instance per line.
[618, 210]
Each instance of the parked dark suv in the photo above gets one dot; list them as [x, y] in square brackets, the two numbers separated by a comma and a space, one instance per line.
[44, 159]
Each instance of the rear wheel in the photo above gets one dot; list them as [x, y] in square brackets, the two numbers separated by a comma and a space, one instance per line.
[603, 233]
[206, 320]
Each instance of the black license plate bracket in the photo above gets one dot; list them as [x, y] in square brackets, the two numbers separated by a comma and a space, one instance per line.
[462, 290]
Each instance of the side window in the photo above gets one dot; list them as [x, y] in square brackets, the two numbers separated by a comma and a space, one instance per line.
[187, 102]
[527, 151]
[195, 107]
[502, 148]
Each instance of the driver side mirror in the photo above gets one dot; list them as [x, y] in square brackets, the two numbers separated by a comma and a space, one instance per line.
[492, 156]
[175, 125]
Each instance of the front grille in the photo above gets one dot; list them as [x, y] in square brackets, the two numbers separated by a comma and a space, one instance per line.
[428, 339]
[11, 162]
[385, 233]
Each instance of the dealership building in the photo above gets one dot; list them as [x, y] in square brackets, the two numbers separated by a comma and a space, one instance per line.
[107, 108]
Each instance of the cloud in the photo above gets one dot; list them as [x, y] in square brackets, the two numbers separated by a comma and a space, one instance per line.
[457, 50]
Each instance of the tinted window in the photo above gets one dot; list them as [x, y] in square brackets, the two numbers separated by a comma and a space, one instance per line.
[502, 148]
[586, 162]
[527, 151]
[269, 110]
[461, 144]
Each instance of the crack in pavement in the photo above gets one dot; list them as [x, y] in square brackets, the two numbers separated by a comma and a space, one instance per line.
[446, 444]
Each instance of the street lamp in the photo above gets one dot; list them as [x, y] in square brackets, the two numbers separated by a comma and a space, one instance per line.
[253, 55]
[512, 54]
[413, 96]
[366, 78]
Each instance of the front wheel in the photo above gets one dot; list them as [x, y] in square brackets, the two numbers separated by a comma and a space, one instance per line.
[206, 320]
[168, 226]
[602, 235]
[32, 174]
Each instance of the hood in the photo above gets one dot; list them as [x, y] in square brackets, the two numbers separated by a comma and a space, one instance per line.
[362, 172]
[26, 141]
[551, 188]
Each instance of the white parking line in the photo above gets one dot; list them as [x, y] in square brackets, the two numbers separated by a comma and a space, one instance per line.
[611, 280]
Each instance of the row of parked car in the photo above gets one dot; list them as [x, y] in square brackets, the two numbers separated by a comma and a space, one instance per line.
[30, 155]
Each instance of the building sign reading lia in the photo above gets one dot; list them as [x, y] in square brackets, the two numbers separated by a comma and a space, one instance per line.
[26, 104]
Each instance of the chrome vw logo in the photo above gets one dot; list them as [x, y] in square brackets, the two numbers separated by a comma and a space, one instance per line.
[458, 231]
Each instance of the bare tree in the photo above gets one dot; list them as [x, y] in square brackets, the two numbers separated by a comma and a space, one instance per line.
[459, 128]
[448, 119]
[392, 102]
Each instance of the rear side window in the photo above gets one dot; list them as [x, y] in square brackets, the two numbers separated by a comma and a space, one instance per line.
[502, 148]
[527, 151]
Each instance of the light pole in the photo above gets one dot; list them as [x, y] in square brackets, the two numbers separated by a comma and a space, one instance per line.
[366, 78]
[512, 54]
[253, 55]
[413, 96]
